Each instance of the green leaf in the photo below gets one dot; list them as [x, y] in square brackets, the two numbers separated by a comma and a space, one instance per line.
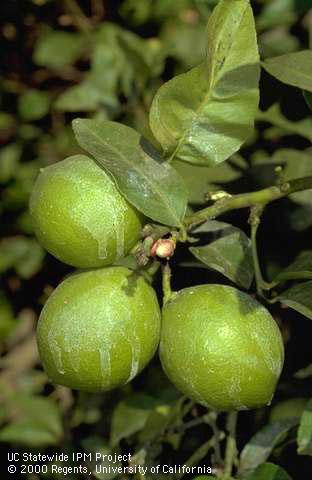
[293, 69]
[21, 253]
[229, 255]
[299, 298]
[9, 159]
[96, 445]
[153, 187]
[261, 445]
[7, 319]
[130, 416]
[301, 267]
[33, 105]
[79, 98]
[277, 42]
[274, 115]
[304, 438]
[308, 99]
[201, 180]
[56, 49]
[304, 372]
[298, 164]
[268, 471]
[205, 115]
[30, 429]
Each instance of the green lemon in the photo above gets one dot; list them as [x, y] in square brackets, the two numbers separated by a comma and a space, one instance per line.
[80, 217]
[99, 329]
[221, 347]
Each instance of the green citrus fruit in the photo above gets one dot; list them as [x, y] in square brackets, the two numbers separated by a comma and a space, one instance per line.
[221, 347]
[80, 217]
[99, 329]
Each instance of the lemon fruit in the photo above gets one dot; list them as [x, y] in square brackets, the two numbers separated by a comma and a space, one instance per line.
[80, 217]
[221, 348]
[99, 329]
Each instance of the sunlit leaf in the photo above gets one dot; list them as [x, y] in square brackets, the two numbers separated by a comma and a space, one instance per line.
[33, 105]
[205, 115]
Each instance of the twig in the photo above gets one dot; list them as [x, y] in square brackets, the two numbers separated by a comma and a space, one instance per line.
[230, 450]
[244, 200]
[254, 221]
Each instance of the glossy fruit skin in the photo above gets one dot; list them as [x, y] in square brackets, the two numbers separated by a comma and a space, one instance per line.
[99, 329]
[80, 217]
[221, 348]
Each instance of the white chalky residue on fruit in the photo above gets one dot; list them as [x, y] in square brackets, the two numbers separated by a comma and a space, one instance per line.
[118, 219]
[56, 353]
[105, 363]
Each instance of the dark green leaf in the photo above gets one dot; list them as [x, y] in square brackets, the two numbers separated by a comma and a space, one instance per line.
[261, 445]
[268, 471]
[299, 298]
[205, 115]
[300, 268]
[130, 416]
[153, 187]
[304, 372]
[229, 255]
[7, 320]
[56, 49]
[304, 438]
[308, 99]
[293, 69]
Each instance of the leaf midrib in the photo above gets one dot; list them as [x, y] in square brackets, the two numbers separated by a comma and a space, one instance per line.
[133, 166]
[202, 104]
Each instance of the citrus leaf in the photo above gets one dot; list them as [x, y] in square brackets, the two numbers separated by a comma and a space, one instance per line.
[56, 49]
[301, 267]
[308, 99]
[299, 298]
[293, 69]
[130, 416]
[33, 105]
[201, 180]
[154, 188]
[261, 445]
[30, 429]
[229, 255]
[298, 164]
[304, 438]
[206, 114]
[268, 471]
[274, 115]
